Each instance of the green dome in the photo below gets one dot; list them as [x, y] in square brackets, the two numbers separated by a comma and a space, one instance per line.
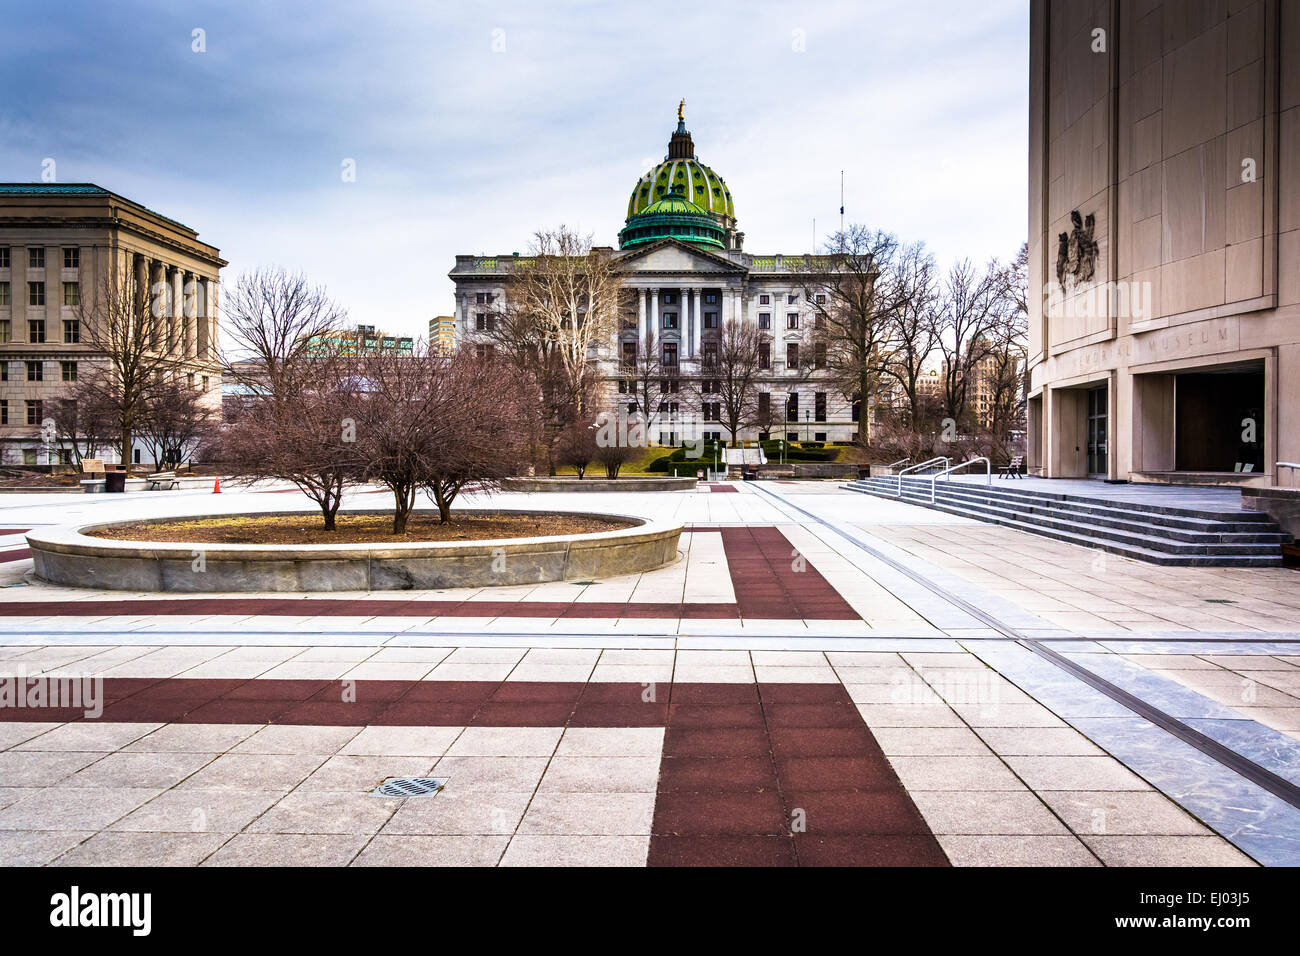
[672, 217]
[700, 184]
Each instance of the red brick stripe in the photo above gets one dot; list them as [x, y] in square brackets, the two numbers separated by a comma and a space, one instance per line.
[780, 775]
[17, 554]
[741, 762]
[772, 581]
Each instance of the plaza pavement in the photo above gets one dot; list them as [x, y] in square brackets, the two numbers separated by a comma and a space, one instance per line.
[820, 678]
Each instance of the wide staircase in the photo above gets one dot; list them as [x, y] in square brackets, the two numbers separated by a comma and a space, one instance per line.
[1144, 531]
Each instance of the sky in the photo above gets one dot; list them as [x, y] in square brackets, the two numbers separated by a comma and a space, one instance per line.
[472, 125]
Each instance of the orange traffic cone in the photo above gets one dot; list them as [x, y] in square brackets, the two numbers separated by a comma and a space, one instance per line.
[216, 486]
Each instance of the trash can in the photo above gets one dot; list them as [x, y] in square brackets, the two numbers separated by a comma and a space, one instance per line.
[115, 481]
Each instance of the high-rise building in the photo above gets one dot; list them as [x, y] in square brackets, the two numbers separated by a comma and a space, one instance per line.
[442, 334]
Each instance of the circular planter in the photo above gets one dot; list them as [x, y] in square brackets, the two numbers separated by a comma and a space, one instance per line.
[596, 485]
[66, 556]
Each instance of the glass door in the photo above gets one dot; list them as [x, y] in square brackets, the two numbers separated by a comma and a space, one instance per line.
[1097, 399]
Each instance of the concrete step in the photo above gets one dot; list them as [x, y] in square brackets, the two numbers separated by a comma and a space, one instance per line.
[1189, 530]
[1119, 531]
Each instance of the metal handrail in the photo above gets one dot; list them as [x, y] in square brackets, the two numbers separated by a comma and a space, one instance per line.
[1287, 464]
[925, 464]
[901, 461]
[988, 473]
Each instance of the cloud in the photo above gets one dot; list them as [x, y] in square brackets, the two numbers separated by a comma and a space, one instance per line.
[473, 125]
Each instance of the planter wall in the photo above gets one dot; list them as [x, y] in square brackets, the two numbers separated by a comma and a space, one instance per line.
[596, 485]
[67, 557]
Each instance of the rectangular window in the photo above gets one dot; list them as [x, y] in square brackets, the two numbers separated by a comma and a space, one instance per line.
[710, 354]
[35, 371]
[764, 407]
[765, 320]
[819, 355]
[189, 379]
[68, 370]
[4, 257]
[819, 407]
[36, 293]
[791, 436]
[35, 330]
[819, 436]
[821, 298]
[791, 299]
[792, 355]
[4, 412]
[765, 355]
[792, 407]
[622, 386]
[670, 320]
[6, 330]
[71, 258]
[205, 380]
[629, 353]
[483, 298]
[480, 322]
[792, 320]
[4, 294]
[35, 411]
[72, 293]
[670, 354]
[670, 298]
[4, 371]
[71, 330]
[764, 299]
[711, 298]
[710, 320]
[36, 258]
[484, 351]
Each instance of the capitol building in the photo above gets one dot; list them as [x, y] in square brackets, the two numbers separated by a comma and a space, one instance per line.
[682, 262]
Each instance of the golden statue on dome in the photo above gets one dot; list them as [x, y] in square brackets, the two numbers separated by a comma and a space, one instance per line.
[680, 107]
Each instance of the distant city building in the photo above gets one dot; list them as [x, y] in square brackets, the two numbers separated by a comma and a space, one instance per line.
[1164, 241]
[58, 244]
[364, 340]
[442, 334]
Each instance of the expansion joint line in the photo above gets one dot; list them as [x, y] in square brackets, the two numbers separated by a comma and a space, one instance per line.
[1262, 777]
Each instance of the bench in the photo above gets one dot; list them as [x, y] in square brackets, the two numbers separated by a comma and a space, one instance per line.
[1013, 468]
[162, 480]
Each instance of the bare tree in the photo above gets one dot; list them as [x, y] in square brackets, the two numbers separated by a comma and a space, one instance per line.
[123, 321]
[438, 423]
[854, 303]
[576, 447]
[913, 329]
[652, 382]
[562, 304]
[970, 310]
[275, 325]
[80, 424]
[175, 420]
[733, 380]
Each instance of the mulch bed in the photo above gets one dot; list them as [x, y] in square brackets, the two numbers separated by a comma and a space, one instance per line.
[354, 529]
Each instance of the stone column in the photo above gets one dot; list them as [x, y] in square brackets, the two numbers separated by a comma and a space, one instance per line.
[189, 313]
[697, 315]
[158, 291]
[176, 313]
[654, 315]
[640, 317]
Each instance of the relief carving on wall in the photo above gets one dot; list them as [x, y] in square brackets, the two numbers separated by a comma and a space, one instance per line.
[1076, 250]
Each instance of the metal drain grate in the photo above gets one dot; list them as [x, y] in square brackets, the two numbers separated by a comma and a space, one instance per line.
[1219, 601]
[410, 787]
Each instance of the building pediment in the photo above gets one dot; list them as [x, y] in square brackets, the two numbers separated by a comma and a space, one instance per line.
[671, 256]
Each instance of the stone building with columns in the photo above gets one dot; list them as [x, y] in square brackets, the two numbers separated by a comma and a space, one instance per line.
[60, 242]
[681, 256]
